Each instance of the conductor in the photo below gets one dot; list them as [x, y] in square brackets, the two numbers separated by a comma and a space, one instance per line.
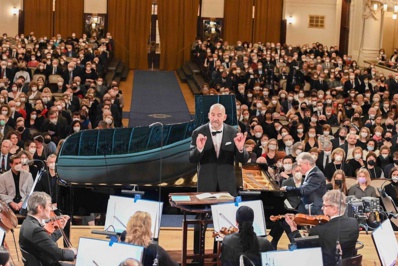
[214, 147]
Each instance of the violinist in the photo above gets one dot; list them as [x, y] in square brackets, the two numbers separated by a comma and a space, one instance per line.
[245, 242]
[344, 229]
[34, 238]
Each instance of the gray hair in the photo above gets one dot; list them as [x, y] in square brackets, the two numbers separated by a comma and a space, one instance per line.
[37, 199]
[306, 156]
[337, 198]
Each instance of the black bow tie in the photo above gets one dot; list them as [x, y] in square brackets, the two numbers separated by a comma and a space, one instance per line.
[215, 132]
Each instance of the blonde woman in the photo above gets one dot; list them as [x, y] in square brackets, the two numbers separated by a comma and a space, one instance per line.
[337, 163]
[138, 232]
[363, 187]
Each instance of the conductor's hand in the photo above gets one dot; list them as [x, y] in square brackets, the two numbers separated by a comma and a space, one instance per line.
[240, 141]
[283, 188]
[200, 142]
[289, 220]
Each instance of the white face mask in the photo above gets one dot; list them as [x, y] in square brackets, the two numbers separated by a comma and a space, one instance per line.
[289, 143]
[32, 150]
[51, 166]
[272, 147]
[364, 134]
[338, 158]
[258, 135]
[287, 166]
[298, 176]
[357, 156]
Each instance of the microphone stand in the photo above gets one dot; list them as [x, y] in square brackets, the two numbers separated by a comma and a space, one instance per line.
[338, 246]
[156, 260]
[23, 210]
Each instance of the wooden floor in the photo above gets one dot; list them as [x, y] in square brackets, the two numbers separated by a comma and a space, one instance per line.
[171, 240]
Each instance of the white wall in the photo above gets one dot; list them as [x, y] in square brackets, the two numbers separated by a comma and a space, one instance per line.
[298, 33]
[95, 6]
[9, 22]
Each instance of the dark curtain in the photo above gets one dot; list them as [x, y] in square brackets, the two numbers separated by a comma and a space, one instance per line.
[267, 20]
[238, 22]
[69, 17]
[38, 17]
[177, 30]
[129, 24]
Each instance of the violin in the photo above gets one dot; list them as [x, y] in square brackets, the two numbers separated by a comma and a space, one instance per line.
[53, 224]
[304, 219]
[8, 220]
[225, 231]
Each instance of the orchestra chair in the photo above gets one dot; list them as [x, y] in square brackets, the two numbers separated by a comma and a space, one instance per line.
[28, 259]
[53, 79]
[379, 183]
[350, 181]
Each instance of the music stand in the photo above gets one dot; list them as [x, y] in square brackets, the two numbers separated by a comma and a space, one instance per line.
[389, 205]
[386, 244]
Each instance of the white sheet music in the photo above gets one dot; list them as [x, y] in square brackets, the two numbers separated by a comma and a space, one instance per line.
[298, 257]
[386, 243]
[120, 209]
[97, 252]
[228, 210]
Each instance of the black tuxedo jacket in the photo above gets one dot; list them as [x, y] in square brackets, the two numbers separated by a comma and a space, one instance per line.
[216, 172]
[34, 239]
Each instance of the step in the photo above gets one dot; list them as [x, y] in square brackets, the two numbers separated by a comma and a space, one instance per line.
[194, 67]
[199, 80]
[109, 77]
[119, 69]
[187, 71]
[113, 64]
[125, 73]
[181, 75]
[193, 86]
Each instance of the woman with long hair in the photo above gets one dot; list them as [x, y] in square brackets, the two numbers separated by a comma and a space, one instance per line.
[138, 232]
[338, 181]
[244, 242]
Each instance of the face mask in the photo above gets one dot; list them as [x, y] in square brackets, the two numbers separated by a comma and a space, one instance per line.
[338, 158]
[2, 123]
[311, 135]
[289, 143]
[290, 98]
[354, 106]
[327, 152]
[76, 129]
[394, 179]
[54, 121]
[299, 151]
[284, 134]
[298, 176]
[287, 167]
[384, 156]
[357, 156]
[300, 131]
[14, 89]
[47, 141]
[313, 119]
[378, 134]
[371, 162]
[342, 137]
[264, 143]
[32, 150]
[326, 133]
[18, 167]
[274, 102]
[33, 117]
[4, 112]
[108, 121]
[387, 138]
[272, 147]
[301, 95]
[258, 135]
[20, 129]
[364, 134]
[362, 180]
[51, 166]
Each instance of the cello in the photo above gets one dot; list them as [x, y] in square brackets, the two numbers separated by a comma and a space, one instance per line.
[8, 221]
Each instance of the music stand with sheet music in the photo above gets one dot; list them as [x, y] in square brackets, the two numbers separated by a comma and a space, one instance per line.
[224, 215]
[98, 252]
[386, 243]
[297, 257]
[120, 209]
[2, 236]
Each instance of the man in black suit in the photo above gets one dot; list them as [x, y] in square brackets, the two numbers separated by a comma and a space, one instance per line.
[34, 239]
[214, 148]
[313, 187]
[340, 139]
[341, 228]
[320, 84]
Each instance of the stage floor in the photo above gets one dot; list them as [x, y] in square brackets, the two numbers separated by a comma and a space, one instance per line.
[171, 240]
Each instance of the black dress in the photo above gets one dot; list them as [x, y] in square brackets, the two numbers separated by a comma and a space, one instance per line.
[164, 258]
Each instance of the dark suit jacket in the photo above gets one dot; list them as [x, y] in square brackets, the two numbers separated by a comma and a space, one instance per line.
[348, 235]
[312, 189]
[336, 142]
[216, 172]
[319, 161]
[34, 239]
[293, 199]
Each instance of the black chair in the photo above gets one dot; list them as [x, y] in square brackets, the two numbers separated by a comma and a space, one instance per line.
[352, 261]
[29, 260]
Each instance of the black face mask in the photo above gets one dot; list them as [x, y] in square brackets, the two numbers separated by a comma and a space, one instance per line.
[294, 123]
[276, 120]
[20, 129]
[342, 137]
[396, 162]
[322, 122]
[387, 138]
[46, 141]
[371, 162]
[303, 108]
[338, 182]
[390, 126]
